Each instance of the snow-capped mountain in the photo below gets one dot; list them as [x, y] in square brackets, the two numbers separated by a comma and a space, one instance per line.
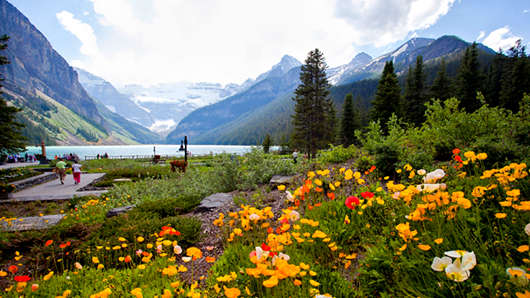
[336, 75]
[168, 103]
[401, 55]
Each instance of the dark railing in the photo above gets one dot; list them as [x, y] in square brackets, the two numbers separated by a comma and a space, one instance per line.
[150, 157]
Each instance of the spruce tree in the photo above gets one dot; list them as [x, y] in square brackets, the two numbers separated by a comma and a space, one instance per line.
[469, 80]
[267, 142]
[441, 87]
[387, 96]
[415, 98]
[11, 139]
[313, 109]
[347, 127]
[332, 123]
[516, 79]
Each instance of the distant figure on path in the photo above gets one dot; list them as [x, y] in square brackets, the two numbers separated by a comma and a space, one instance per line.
[60, 167]
[295, 155]
[76, 170]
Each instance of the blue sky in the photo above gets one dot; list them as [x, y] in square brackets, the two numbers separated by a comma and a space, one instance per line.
[148, 42]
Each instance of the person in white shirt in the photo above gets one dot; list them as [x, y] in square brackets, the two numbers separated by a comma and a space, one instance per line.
[295, 155]
[76, 170]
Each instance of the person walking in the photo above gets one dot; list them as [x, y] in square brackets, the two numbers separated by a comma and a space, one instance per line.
[76, 171]
[60, 168]
[295, 155]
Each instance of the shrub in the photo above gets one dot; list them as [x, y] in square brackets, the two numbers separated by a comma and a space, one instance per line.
[337, 154]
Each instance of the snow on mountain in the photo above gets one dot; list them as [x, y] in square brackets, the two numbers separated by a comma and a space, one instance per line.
[339, 74]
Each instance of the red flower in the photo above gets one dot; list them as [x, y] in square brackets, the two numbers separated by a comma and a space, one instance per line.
[367, 194]
[351, 202]
[22, 278]
[127, 259]
[458, 158]
[456, 151]
[265, 247]
[331, 196]
[13, 269]
[64, 245]
[372, 168]
[48, 243]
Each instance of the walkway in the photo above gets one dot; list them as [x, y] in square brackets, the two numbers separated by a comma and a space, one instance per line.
[54, 190]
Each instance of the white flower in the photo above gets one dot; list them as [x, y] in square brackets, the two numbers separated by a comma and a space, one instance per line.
[261, 253]
[456, 272]
[455, 253]
[254, 216]
[469, 261]
[186, 259]
[421, 172]
[527, 229]
[429, 187]
[289, 196]
[177, 249]
[433, 176]
[439, 264]
[294, 215]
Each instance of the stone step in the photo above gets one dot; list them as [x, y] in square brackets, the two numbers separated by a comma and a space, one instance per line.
[214, 201]
[30, 223]
[31, 181]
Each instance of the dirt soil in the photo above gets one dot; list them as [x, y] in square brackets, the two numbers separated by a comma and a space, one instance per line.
[211, 243]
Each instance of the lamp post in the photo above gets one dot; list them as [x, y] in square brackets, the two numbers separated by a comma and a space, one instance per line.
[184, 147]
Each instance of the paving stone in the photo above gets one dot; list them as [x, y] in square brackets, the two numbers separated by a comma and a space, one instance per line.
[214, 201]
[31, 223]
[278, 179]
[119, 210]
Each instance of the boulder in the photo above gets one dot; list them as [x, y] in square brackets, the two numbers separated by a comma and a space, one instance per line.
[214, 201]
[119, 210]
[278, 179]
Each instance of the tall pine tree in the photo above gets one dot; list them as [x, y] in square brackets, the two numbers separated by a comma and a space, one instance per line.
[415, 97]
[516, 79]
[469, 80]
[350, 121]
[441, 87]
[11, 139]
[313, 124]
[387, 97]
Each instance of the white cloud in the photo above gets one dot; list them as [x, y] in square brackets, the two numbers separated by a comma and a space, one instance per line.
[229, 41]
[383, 22]
[480, 35]
[82, 31]
[501, 38]
[526, 11]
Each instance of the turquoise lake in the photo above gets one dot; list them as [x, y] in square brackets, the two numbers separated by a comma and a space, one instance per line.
[116, 151]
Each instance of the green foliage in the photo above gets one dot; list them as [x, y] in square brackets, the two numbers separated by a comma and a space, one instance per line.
[387, 97]
[413, 105]
[350, 121]
[337, 154]
[469, 80]
[441, 86]
[313, 119]
[11, 138]
[231, 172]
[267, 142]
[138, 223]
[364, 163]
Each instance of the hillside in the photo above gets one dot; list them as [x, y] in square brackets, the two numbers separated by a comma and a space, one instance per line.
[56, 107]
[274, 118]
[280, 80]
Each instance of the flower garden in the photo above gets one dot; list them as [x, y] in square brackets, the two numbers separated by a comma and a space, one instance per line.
[349, 226]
